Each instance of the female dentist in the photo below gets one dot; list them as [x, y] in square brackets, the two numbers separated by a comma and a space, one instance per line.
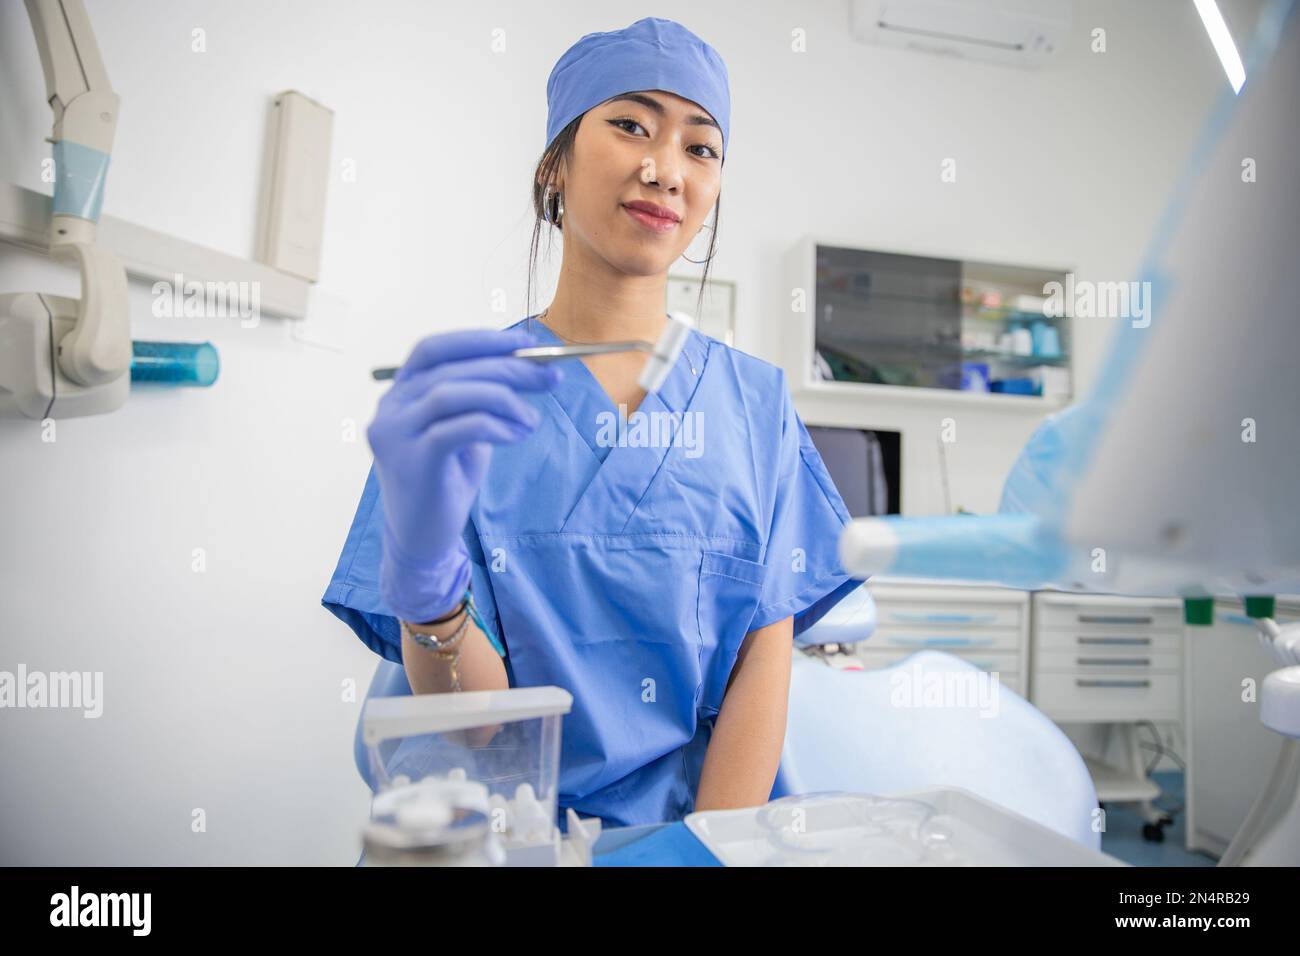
[519, 527]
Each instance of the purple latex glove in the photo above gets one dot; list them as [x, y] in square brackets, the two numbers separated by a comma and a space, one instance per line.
[432, 436]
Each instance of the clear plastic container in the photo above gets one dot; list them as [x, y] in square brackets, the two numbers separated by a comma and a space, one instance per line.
[496, 753]
[855, 829]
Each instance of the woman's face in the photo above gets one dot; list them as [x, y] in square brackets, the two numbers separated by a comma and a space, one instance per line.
[651, 147]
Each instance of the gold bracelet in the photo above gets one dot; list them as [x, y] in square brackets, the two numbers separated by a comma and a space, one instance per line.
[446, 649]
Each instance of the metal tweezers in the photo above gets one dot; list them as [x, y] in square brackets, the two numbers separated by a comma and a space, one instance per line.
[551, 353]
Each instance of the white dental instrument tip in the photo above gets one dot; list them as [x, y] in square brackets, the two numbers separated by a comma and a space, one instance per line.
[666, 352]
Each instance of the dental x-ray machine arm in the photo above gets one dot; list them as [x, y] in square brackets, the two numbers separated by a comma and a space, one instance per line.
[69, 357]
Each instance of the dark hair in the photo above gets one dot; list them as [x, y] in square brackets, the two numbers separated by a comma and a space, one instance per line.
[559, 152]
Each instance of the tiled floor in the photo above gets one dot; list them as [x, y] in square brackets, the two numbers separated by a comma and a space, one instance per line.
[1123, 836]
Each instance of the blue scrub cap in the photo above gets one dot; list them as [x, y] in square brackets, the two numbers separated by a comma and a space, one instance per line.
[651, 54]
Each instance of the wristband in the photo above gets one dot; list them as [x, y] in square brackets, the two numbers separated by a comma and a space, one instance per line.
[446, 617]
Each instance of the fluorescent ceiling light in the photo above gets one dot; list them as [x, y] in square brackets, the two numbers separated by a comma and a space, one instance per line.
[1222, 40]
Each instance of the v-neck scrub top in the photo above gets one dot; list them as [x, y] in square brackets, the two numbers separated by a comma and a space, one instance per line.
[625, 561]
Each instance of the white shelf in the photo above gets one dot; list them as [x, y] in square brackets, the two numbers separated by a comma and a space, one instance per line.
[152, 256]
[909, 393]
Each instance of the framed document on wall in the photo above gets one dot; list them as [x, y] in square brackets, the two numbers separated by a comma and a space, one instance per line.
[718, 310]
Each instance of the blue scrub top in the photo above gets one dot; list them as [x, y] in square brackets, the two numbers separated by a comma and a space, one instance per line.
[626, 559]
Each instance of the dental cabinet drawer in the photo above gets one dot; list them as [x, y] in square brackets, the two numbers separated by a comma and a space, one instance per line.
[1057, 612]
[933, 614]
[952, 640]
[1109, 660]
[1107, 697]
[1126, 641]
[1106, 658]
[987, 626]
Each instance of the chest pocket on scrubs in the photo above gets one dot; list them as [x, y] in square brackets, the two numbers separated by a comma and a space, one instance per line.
[729, 592]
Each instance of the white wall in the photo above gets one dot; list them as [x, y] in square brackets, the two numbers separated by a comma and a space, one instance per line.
[224, 689]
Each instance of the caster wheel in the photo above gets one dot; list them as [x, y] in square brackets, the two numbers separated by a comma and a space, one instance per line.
[1153, 833]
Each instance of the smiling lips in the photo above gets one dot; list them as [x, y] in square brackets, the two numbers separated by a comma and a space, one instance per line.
[658, 219]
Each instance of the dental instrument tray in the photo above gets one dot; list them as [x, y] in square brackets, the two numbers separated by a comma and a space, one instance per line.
[940, 826]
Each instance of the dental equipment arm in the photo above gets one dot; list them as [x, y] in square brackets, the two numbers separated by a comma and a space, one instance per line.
[70, 357]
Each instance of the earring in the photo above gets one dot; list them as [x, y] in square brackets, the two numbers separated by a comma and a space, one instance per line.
[709, 257]
[553, 206]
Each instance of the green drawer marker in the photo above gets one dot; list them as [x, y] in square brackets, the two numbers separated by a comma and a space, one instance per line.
[1259, 606]
[1198, 611]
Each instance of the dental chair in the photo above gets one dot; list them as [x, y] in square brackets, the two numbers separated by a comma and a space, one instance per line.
[844, 732]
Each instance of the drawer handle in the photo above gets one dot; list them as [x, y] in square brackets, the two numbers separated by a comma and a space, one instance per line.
[1115, 619]
[1114, 661]
[944, 641]
[1097, 682]
[1141, 641]
[931, 618]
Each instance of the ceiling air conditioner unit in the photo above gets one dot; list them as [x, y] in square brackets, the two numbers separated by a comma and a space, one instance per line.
[1025, 33]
